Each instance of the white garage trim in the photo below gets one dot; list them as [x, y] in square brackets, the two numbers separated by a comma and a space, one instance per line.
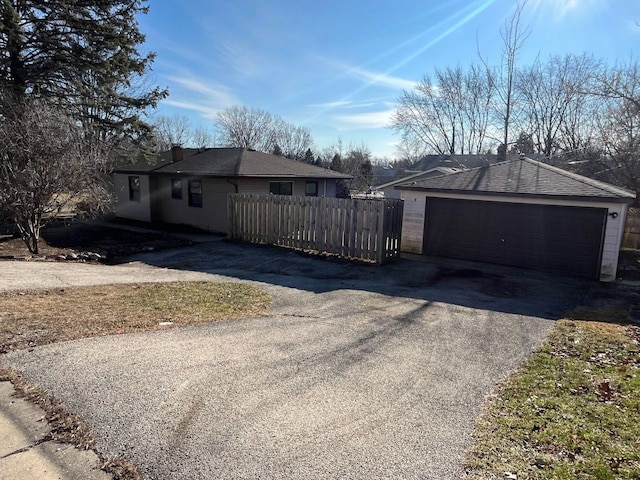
[415, 208]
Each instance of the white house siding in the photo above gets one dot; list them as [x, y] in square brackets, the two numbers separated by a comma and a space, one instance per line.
[125, 208]
[414, 218]
[212, 216]
[326, 188]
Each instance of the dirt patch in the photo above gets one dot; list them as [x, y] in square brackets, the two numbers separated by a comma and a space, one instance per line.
[614, 297]
[629, 265]
[64, 240]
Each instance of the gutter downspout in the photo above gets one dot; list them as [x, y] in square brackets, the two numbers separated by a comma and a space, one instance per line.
[235, 185]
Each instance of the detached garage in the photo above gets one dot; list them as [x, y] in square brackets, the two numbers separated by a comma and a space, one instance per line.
[520, 213]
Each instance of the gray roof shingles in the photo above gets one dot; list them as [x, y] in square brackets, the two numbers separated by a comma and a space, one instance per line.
[522, 177]
[232, 162]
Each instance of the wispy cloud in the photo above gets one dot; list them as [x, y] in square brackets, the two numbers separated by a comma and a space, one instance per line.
[370, 77]
[211, 91]
[381, 79]
[205, 111]
[365, 120]
[331, 105]
[240, 58]
[562, 8]
[341, 104]
[435, 34]
[196, 94]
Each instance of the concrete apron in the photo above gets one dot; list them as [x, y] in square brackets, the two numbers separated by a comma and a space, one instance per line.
[24, 453]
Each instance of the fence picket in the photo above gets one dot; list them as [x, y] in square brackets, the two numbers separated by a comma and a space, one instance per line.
[631, 238]
[363, 229]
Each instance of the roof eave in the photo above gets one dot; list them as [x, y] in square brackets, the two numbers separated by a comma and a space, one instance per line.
[232, 175]
[582, 198]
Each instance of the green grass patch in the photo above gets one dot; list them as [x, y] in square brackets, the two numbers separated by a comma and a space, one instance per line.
[572, 411]
[35, 318]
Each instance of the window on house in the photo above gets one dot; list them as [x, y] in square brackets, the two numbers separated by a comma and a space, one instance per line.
[134, 189]
[176, 188]
[311, 189]
[195, 193]
[281, 188]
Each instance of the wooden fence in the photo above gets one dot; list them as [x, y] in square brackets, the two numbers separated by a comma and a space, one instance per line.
[631, 238]
[360, 229]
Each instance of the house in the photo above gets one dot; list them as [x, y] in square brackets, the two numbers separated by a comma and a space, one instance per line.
[520, 212]
[383, 173]
[190, 186]
[462, 162]
[388, 190]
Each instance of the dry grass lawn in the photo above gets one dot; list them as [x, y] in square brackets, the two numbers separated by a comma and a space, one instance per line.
[572, 410]
[35, 318]
[28, 319]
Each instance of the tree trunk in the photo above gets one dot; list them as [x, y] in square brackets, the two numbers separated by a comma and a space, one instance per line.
[30, 232]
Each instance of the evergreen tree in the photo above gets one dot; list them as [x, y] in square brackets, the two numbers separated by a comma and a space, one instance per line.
[366, 171]
[523, 145]
[308, 157]
[277, 150]
[82, 55]
[336, 163]
[70, 91]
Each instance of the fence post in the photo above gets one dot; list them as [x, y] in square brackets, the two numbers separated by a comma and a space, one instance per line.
[381, 233]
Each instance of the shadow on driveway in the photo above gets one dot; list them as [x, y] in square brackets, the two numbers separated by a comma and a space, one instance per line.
[469, 284]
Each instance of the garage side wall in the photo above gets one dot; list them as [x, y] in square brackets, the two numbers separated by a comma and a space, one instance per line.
[413, 226]
[612, 241]
[413, 221]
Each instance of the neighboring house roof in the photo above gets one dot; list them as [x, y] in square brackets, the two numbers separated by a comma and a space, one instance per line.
[434, 172]
[384, 172]
[231, 162]
[523, 177]
[464, 162]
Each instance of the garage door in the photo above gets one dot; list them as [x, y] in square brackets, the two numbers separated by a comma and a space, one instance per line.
[543, 237]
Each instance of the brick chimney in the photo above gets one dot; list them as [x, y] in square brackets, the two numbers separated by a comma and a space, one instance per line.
[177, 153]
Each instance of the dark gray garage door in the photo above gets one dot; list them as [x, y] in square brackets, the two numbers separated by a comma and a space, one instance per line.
[544, 237]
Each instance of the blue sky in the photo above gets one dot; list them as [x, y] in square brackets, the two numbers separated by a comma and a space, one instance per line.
[338, 67]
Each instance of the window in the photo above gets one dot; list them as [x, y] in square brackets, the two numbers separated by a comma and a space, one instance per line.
[281, 188]
[134, 189]
[311, 189]
[195, 193]
[176, 188]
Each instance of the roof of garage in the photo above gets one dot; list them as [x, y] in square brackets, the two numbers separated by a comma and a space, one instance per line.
[523, 177]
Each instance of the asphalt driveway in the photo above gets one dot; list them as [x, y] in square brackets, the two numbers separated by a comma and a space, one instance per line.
[357, 372]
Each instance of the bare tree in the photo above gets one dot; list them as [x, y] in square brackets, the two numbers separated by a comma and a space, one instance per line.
[551, 94]
[448, 114]
[357, 162]
[579, 131]
[202, 137]
[513, 36]
[46, 161]
[620, 82]
[170, 131]
[620, 126]
[240, 126]
[293, 141]
[410, 152]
